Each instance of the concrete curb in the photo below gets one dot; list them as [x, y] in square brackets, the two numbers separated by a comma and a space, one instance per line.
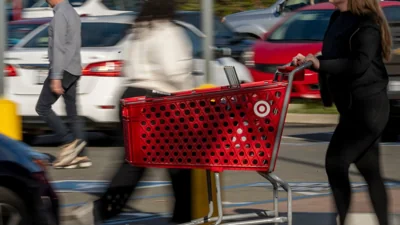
[328, 119]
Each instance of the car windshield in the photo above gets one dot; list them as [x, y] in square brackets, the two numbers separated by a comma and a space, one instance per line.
[124, 5]
[15, 32]
[292, 5]
[39, 4]
[43, 3]
[93, 35]
[392, 13]
[220, 29]
[303, 26]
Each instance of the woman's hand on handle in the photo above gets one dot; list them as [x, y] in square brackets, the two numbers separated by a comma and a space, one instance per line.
[313, 59]
[298, 60]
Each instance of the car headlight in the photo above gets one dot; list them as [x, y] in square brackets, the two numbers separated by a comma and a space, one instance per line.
[247, 58]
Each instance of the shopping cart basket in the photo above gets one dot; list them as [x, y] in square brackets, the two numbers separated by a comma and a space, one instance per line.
[237, 127]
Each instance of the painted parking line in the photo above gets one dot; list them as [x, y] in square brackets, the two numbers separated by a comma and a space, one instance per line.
[136, 220]
[294, 138]
[93, 186]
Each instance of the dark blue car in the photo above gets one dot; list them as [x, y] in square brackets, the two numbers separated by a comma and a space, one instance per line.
[25, 192]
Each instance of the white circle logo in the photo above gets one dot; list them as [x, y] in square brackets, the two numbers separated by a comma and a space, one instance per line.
[262, 108]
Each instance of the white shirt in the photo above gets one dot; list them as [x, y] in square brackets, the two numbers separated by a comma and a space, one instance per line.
[159, 59]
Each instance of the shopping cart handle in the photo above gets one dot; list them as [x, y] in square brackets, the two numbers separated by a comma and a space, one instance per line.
[289, 70]
[306, 65]
[294, 69]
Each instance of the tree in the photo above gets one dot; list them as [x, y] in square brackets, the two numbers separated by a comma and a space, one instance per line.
[226, 7]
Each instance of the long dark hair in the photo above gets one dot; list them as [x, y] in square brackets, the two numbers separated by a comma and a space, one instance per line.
[362, 7]
[156, 10]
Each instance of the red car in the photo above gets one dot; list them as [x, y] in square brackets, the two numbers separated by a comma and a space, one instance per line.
[299, 32]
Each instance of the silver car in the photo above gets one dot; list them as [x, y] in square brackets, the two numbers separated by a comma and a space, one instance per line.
[257, 22]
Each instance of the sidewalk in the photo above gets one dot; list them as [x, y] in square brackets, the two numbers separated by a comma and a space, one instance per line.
[327, 119]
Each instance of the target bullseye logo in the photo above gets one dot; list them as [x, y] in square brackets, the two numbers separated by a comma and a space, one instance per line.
[262, 108]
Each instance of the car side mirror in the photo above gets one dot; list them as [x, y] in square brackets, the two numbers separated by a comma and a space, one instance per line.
[222, 52]
[278, 9]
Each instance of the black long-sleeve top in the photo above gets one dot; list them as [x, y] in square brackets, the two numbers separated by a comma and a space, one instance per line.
[351, 59]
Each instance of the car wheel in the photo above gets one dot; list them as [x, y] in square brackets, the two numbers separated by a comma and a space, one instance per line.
[12, 208]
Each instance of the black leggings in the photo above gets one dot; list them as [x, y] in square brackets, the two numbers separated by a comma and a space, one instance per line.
[356, 140]
[127, 178]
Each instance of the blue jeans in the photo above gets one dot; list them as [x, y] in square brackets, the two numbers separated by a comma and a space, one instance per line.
[43, 107]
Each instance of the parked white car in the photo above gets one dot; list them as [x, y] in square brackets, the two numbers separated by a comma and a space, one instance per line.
[99, 89]
[83, 7]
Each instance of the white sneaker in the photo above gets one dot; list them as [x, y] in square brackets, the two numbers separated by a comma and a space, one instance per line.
[69, 152]
[77, 163]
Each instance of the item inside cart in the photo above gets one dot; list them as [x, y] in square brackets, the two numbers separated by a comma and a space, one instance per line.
[236, 127]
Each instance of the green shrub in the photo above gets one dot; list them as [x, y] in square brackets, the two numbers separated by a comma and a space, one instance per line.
[226, 7]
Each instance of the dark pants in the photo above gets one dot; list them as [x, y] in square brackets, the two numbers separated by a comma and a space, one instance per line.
[356, 140]
[127, 178]
[47, 98]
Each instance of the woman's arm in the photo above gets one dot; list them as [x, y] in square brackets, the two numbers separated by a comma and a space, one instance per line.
[365, 44]
[318, 55]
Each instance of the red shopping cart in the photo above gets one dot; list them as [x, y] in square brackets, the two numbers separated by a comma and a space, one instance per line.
[237, 127]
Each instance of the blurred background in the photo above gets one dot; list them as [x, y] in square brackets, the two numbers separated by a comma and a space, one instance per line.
[254, 36]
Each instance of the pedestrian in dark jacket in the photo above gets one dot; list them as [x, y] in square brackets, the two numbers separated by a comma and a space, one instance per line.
[355, 46]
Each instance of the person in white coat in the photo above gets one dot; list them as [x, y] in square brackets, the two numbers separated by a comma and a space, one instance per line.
[159, 57]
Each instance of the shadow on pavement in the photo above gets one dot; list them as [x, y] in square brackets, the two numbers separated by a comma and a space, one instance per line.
[315, 137]
[300, 218]
[95, 139]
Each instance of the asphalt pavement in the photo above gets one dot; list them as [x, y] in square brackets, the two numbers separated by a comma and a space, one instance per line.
[300, 162]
